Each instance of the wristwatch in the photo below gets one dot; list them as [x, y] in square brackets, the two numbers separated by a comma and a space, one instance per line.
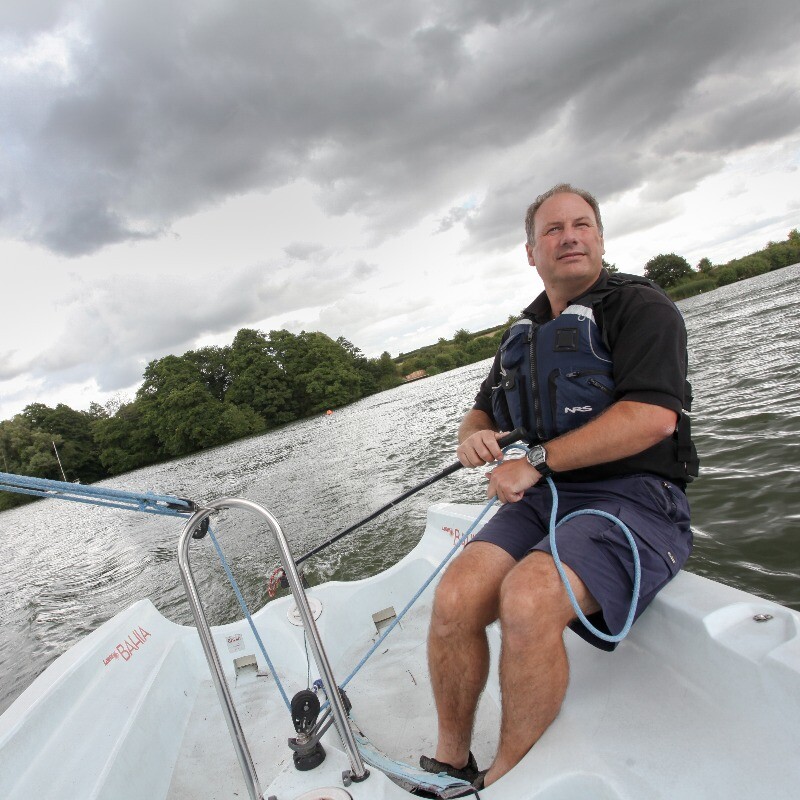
[537, 458]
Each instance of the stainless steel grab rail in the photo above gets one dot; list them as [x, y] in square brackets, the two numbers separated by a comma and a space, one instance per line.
[359, 771]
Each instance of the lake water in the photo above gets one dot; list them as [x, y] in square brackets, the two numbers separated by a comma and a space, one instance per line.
[69, 567]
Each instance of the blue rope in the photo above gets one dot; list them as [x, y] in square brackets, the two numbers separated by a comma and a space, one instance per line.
[637, 568]
[246, 612]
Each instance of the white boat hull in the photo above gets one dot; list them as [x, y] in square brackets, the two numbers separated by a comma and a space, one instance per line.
[700, 701]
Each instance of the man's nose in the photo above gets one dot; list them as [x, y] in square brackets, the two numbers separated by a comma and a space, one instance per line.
[569, 234]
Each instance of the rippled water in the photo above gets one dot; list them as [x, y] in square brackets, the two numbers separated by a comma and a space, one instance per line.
[744, 355]
[69, 567]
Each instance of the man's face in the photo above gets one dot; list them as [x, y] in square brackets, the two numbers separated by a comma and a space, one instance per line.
[568, 248]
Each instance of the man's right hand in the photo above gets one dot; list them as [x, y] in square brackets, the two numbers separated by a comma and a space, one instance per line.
[480, 448]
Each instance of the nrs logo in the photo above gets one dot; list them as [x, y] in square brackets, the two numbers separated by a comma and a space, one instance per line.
[577, 409]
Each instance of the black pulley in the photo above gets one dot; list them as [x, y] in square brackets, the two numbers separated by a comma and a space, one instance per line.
[201, 530]
[305, 710]
[308, 752]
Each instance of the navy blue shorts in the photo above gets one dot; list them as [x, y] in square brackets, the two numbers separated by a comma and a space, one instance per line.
[656, 512]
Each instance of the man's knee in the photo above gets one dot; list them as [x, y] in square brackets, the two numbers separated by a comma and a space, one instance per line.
[469, 591]
[533, 597]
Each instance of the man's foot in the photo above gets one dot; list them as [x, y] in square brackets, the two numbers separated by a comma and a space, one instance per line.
[467, 773]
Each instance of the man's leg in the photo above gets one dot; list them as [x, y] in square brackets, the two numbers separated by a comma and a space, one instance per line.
[466, 601]
[534, 610]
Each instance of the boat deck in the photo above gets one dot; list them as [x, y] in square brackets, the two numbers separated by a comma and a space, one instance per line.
[392, 685]
[701, 700]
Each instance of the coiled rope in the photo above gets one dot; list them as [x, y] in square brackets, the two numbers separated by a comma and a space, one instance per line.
[637, 567]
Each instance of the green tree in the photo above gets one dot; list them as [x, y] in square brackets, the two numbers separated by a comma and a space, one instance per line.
[127, 439]
[321, 373]
[212, 364]
[27, 449]
[178, 407]
[166, 374]
[330, 378]
[444, 362]
[667, 269]
[705, 266]
[483, 347]
[750, 266]
[258, 381]
[73, 435]
[611, 268]
[385, 372]
[189, 418]
[783, 254]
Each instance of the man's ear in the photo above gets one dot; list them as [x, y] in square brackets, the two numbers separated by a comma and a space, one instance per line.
[529, 253]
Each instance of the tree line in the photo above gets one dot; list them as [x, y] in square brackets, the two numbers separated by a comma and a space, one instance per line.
[464, 348]
[202, 399]
[674, 273]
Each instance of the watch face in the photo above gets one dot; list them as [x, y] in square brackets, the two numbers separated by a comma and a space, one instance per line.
[536, 455]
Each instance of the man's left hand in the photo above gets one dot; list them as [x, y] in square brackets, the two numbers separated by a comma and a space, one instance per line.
[509, 480]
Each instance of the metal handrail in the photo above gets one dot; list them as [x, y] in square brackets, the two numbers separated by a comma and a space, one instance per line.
[358, 770]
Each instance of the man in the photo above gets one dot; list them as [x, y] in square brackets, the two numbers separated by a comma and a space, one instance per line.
[596, 373]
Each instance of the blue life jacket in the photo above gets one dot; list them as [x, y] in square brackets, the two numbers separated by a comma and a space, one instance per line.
[554, 377]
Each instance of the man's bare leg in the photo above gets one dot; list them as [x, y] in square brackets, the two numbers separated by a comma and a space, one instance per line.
[467, 600]
[534, 671]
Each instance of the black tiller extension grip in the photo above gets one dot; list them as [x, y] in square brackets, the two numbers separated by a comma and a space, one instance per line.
[504, 441]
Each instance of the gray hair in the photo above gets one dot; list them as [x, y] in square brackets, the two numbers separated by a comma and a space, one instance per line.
[561, 188]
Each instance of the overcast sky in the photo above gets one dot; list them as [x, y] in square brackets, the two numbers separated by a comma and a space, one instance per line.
[173, 171]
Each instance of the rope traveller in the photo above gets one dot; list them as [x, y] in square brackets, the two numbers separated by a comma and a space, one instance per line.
[146, 502]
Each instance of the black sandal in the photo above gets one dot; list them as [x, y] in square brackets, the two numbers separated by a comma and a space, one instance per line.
[479, 780]
[467, 773]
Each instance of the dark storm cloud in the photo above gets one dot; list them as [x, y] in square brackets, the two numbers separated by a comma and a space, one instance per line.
[392, 111]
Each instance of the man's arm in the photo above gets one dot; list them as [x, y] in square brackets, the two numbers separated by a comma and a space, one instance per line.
[624, 429]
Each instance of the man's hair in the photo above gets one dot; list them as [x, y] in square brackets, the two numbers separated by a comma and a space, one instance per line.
[561, 188]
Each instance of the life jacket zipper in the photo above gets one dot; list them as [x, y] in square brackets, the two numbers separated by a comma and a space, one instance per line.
[537, 402]
[598, 385]
[591, 381]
